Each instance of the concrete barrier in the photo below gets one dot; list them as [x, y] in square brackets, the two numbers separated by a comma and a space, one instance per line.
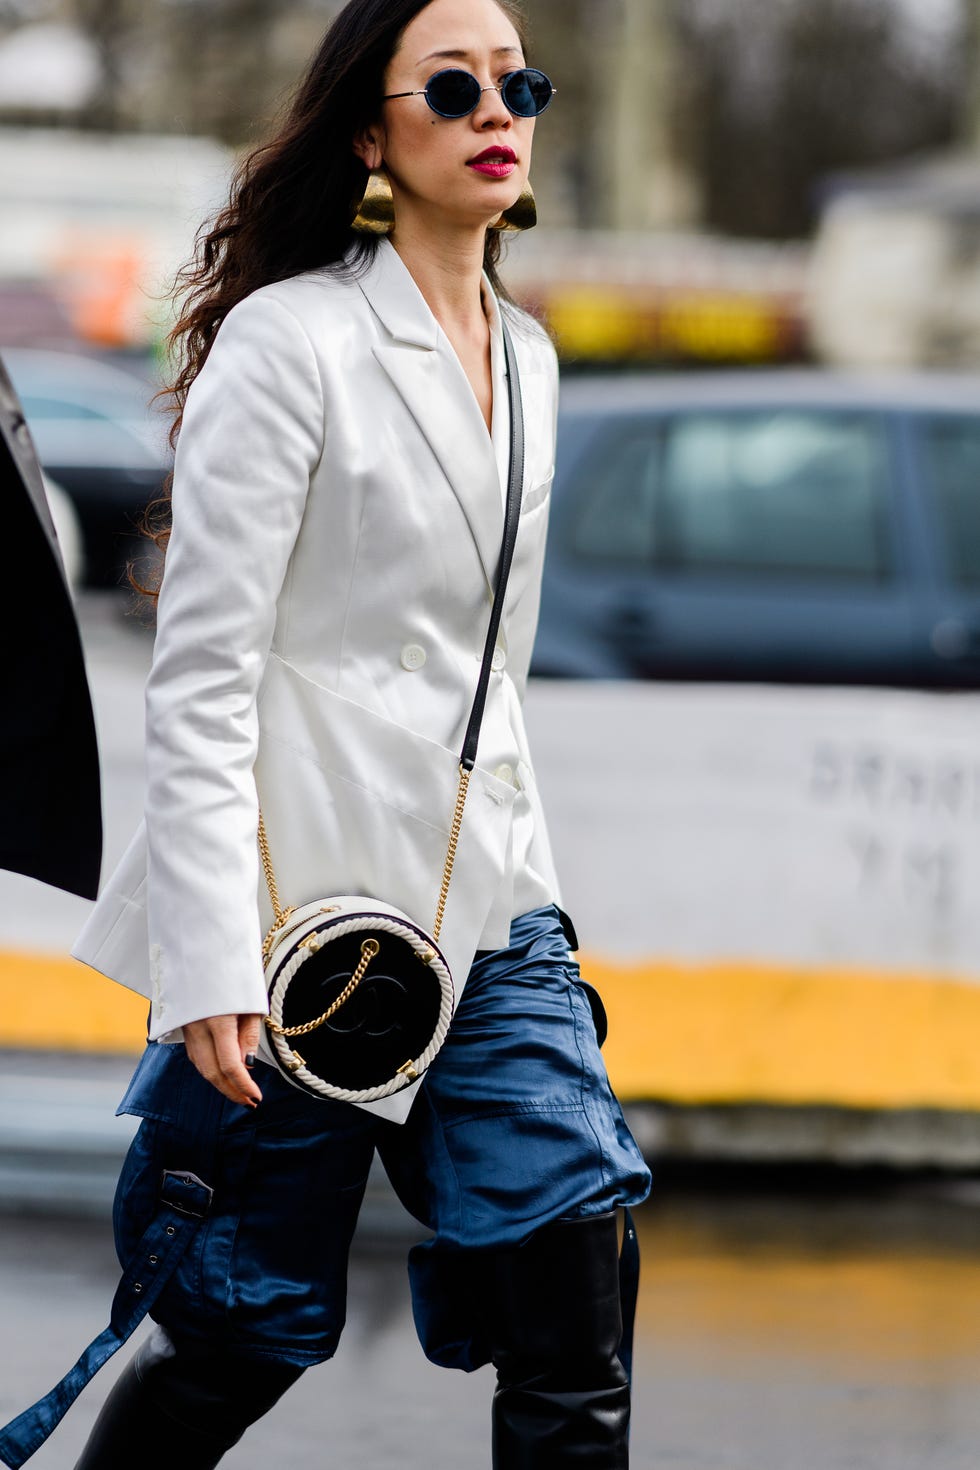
[773, 888]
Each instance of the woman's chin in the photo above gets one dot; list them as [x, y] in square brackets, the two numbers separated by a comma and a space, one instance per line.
[471, 211]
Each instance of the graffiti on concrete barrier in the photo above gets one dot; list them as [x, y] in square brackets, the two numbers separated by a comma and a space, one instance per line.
[905, 812]
[880, 780]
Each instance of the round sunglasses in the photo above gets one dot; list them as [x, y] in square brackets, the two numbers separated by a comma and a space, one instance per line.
[457, 93]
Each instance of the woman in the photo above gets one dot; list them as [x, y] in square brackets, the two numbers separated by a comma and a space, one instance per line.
[337, 513]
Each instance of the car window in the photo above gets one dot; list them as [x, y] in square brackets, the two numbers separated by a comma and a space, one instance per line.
[617, 511]
[789, 491]
[952, 448]
[54, 408]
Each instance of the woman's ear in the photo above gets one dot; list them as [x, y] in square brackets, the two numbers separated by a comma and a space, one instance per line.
[368, 147]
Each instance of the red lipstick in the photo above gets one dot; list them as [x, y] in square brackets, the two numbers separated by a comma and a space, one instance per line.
[498, 162]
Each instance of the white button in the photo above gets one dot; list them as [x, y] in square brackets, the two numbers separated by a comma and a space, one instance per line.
[505, 773]
[498, 660]
[413, 657]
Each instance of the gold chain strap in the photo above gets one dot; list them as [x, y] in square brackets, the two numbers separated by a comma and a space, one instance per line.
[447, 872]
[369, 949]
[282, 915]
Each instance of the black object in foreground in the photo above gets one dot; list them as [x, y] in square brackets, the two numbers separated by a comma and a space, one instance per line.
[50, 800]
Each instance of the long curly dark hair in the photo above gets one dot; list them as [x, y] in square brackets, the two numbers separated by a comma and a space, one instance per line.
[292, 199]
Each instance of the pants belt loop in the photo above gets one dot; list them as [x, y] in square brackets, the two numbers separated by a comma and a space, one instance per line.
[182, 1206]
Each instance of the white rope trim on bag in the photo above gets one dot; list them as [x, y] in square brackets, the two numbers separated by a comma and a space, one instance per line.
[338, 929]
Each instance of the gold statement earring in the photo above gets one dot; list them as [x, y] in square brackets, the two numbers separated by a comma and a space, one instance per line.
[375, 215]
[522, 214]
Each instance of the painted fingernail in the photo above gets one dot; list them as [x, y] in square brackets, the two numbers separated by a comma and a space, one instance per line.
[250, 1059]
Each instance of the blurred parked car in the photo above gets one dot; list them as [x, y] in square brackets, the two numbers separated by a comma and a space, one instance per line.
[97, 436]
[69, 529]
[804, 527]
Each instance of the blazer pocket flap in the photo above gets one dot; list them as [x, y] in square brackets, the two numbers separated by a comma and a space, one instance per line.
[400, 767]
[536, 495]
[355, 803]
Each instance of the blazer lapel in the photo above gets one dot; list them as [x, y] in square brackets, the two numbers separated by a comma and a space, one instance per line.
[430, 379]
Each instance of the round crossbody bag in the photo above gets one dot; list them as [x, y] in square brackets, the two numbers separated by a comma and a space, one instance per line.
[360, 995]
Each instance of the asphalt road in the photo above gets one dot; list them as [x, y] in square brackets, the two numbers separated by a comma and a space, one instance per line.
[819, 1328]
[831, 1329]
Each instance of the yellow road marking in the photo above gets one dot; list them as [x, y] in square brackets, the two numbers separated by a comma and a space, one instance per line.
[52, 1002]
[685, 1033]
[744, 1032]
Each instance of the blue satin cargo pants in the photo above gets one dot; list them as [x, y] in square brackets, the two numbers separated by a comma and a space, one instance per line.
[515, 1127]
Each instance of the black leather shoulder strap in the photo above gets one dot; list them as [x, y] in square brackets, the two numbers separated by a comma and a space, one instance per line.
[512, 516]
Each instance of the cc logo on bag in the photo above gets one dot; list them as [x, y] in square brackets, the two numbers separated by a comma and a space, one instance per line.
[377, 1007]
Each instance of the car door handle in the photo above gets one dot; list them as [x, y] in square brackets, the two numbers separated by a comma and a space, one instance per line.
[629, 620]
[956, 638]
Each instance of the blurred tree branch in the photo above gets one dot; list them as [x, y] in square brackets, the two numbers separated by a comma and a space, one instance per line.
[111, 26]
[782, 96]
[616, 150]
[971, 109]
[671, 112]
[223, 62]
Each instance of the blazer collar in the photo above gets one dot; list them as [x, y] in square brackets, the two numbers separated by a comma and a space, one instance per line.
[422, 365]
[396, 300]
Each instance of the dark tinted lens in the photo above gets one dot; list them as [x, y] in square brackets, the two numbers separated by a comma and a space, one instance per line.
[452, 93]
[526, 92]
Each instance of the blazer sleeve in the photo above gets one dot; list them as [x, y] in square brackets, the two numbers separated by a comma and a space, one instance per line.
[251, 436]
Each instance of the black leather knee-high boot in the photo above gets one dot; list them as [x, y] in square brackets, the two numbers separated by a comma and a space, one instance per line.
[554, 1321]
[183, 1408]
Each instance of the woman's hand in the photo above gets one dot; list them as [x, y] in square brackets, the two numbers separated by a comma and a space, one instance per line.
[218, 1047]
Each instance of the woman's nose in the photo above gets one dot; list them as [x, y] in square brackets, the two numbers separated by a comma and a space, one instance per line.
[491, 112]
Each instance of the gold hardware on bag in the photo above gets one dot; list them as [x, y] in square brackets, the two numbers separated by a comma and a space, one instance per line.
[369, 948]
[297, 1062]
[407, 1069]
[311, 942]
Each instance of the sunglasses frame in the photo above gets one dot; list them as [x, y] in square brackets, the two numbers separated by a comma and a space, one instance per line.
[461, 71]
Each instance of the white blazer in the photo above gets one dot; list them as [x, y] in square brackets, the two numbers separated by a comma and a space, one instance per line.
[338, 515]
